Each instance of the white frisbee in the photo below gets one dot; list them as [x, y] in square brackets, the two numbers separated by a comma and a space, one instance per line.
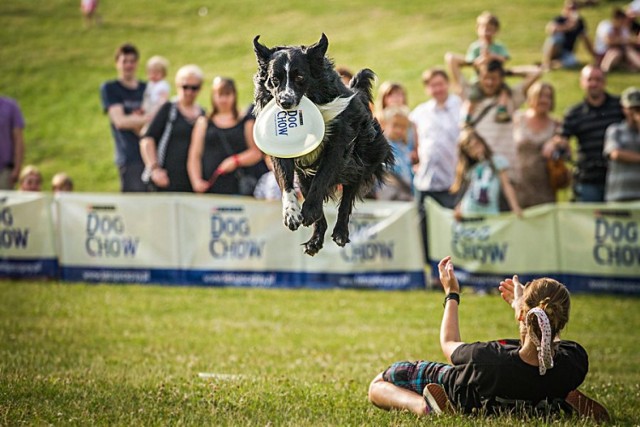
[289, 133]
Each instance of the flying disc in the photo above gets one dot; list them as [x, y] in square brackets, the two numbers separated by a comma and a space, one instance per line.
[289, 133]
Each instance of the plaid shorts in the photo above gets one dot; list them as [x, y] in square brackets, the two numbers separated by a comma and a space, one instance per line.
[415, 376]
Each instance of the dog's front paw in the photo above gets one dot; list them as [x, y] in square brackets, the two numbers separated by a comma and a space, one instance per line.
[291, 211]
[340, 235]
[311, 212]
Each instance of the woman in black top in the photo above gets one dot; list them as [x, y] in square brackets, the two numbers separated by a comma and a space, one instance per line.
[539, 371]
[221, 143]
[166, 162]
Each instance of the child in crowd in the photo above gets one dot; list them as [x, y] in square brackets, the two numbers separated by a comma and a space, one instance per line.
[61, 182]
[158, 88]
[30, 179]
[267, 187]
[482, 175]
[396, 126]
[482, 51]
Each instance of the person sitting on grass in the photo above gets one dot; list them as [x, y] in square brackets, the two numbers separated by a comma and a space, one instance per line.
[539, 372]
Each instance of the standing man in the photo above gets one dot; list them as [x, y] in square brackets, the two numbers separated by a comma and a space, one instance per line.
[622, 148]
[437, 122]
[11, 142]
[588, 121]
[122, 101]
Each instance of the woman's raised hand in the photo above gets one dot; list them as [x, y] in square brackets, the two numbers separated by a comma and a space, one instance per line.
[448, 276]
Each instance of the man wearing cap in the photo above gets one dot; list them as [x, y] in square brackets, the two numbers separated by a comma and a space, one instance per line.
[588, 122]
[622, 148]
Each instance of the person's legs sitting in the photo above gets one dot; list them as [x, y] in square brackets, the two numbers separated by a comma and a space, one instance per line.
[402, 385]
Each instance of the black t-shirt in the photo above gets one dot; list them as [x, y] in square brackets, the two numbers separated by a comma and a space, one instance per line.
[589, 124]
[220, 143]
[127, 142]
[571, 36]
[175, 162]
[486, 373]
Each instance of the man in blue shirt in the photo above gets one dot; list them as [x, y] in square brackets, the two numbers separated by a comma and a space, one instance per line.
[122, 101]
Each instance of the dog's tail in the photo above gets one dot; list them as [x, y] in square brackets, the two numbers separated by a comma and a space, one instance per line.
[363, 82]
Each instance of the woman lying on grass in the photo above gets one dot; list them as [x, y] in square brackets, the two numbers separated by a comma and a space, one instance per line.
[538, 373]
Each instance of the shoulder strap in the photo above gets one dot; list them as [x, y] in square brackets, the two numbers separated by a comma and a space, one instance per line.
[483, 113]
[164, 141]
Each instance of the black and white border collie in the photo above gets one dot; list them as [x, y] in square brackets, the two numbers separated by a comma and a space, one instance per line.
[354, 153]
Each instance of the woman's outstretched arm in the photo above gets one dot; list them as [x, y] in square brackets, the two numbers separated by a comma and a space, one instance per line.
[450, 328]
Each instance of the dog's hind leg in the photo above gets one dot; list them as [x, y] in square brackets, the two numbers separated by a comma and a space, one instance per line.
[340, 233]
[291, 211]
[316, 241]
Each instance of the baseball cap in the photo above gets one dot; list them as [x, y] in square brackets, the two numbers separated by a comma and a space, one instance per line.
[289, 133]
[630, 97]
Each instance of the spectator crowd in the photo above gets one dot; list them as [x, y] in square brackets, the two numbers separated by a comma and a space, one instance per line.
[477, 145]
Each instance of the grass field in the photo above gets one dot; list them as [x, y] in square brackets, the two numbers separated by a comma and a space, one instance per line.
[132, 355]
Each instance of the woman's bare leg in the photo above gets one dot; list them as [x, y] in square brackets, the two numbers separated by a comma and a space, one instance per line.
[386, 395]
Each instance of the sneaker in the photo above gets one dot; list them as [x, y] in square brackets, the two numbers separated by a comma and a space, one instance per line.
[437, 399]
[584, 406]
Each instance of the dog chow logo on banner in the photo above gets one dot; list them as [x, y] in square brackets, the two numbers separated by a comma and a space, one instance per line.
[231, 235]
[616, 239]
[11, 237]
[286, 120]
[471, 240]
[106, 236]
[365, 245]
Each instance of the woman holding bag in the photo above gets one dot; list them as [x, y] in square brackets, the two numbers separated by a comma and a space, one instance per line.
[165, 144]
[222, 144]
[533, 133]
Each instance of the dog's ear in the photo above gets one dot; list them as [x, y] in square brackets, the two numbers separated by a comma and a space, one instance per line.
[315, 54]
[263, 53]
[318, 50]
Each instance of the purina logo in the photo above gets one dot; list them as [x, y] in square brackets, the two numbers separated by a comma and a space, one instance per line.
[286, 120]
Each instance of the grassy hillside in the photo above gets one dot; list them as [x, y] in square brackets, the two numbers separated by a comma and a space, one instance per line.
[54, 66]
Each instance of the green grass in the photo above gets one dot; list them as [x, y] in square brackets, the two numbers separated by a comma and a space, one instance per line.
[54, 66]
[131, 355]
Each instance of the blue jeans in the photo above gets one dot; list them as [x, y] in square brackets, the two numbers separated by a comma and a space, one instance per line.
[588, 192]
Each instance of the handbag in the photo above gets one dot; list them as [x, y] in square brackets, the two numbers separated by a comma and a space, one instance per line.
[246, 181]
[162, 148]
[559, 173]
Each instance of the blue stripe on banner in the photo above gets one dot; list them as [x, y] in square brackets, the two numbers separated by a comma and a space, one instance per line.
[121, 275]
[18, 268]
[263, 279]
[591, 283]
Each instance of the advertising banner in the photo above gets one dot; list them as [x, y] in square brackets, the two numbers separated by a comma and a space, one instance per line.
[27, 246]
[118, 238]
[588, 247]
[485, 250]
[234, 241]
[600, 246]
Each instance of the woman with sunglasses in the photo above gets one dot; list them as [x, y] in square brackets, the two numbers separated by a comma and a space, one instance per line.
[165, 145]
[222, 144]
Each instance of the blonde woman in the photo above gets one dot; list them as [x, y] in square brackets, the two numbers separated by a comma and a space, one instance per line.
[165, 145]
[533, 132]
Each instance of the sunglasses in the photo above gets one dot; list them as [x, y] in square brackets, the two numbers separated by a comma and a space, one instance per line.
[191, 87]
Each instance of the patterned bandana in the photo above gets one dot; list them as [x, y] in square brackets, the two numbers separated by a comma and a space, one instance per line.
[545, 361]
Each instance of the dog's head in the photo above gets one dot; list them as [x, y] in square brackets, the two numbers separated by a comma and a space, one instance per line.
[288, 71]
